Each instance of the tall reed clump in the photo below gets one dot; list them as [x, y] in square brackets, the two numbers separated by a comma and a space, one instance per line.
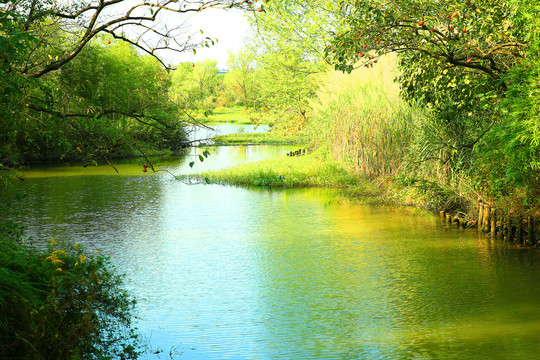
[363, 120]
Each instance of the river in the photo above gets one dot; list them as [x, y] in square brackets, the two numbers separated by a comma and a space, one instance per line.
[223, 272]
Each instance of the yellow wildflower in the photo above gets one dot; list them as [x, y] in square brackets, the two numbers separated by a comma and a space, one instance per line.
[57, 261]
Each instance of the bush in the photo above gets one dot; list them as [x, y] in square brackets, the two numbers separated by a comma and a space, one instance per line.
[59, 303]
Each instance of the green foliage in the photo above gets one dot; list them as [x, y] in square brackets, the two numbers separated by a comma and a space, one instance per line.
[509, 158]
[303, 27]
[233, 115]
[240, 83]
[479, 36]
[474, 66]
[363, 121]
[98, 104]
[194, 86]
[61, 304]
[277, 84]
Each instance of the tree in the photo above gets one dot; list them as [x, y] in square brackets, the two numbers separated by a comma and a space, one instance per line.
[480, 36]
[39, 38]
[286, 84]
[194, 85]
[473, 65]
[306, 26]
[241, 79]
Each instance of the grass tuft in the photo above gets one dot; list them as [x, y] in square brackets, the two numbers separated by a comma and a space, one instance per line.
[303, 171]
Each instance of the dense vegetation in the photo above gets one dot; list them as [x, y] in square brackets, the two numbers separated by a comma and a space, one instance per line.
[59, 303]
[437, 101]
[460, 123]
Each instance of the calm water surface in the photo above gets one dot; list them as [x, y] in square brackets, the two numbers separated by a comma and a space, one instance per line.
[230, 273]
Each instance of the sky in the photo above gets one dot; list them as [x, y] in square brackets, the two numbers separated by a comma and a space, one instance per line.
[230, 27]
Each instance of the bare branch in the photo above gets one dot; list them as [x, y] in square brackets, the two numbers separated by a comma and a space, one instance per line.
[110, 17]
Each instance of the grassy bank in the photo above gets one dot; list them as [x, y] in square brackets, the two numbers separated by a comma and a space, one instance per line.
[234, 115]
[302, 171]
[269, 138]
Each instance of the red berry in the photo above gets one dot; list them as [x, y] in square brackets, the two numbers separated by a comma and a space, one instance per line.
[361, 54]
[365, 46]
[469, 60]
[464, 30]
[448, 16]
[432, 29]
[420, 23]
[144, 170]
[451, 28]
[260, 10]
[466, 48]
[108, 42]
[371, 57]
[378, 42]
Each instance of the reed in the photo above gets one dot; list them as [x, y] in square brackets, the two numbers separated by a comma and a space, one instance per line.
[363, 120]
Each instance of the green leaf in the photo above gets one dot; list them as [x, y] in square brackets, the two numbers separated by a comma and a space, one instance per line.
[191, 164]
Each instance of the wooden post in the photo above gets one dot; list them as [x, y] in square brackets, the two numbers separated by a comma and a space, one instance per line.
[480, 215]
[530, 230]
[509, 234]
[493, 229]
[519, 235]
[485, 222]
[442, 215]
[500, 233]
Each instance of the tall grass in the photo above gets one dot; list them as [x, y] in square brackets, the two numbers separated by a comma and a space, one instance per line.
[363, 120]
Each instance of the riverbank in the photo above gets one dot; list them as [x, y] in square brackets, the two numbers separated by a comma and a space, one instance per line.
[313, 169]
[266, 138]
[317, 170]
[233, 115]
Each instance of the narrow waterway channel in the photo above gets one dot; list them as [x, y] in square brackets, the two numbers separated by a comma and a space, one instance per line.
[230, 273]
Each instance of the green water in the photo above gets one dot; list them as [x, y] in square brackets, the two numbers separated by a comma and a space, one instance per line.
[230, 273]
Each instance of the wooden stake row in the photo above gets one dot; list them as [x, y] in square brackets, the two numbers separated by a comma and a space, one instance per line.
[518, 229]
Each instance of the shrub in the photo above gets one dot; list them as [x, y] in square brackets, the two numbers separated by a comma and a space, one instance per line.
[59, 303]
